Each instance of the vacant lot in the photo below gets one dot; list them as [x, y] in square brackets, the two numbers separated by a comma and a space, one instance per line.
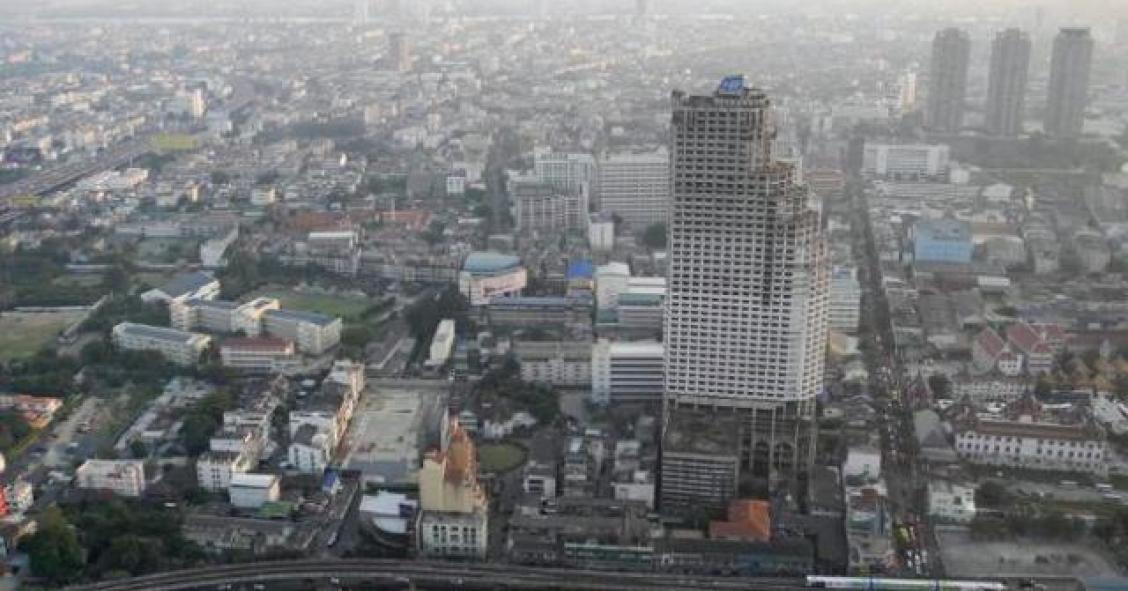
[24, 333]
[964, 557]
[345, 307]
[500, 457]
[167, 250]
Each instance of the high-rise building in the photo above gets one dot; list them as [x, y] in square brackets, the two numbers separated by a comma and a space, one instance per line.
[562, 170]
[947, 87]
[642, 7]
[1068, 93]
[399, 52]
[635, 187]
[746, 312]
[1006, 86]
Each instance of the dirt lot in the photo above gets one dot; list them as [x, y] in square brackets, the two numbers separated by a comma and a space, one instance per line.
[964, 557]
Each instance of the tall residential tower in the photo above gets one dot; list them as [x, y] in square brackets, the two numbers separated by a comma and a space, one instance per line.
[746, 314]
[1006, 87]
[1068, 93]
[947, 87]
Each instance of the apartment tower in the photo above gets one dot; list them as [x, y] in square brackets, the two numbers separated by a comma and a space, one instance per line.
[1006, 85]
[947, 87]
[1068, 93]
[746, 311]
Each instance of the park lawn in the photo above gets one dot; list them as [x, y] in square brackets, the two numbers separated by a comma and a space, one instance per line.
[23, 334]
[500, 457]
[168, 250]
[344, 307]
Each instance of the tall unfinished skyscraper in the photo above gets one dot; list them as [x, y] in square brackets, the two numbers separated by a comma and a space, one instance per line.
[746, 316]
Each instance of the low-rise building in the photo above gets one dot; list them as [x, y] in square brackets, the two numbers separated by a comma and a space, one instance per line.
[1027, 444]
[454, 521]
[313, 333]
[221, 316]
[557, 363]
[258, 355]
[489, 275]
[251, 491]
[186, 286]
[949, 502]
[183, 348]
[122, 477]
[214, 469]
[310, 449]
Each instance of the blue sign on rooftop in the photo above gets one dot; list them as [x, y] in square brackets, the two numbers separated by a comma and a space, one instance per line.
[731, 85]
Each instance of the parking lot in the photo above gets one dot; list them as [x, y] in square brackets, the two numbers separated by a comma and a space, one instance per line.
[965, 557]
[391, 424]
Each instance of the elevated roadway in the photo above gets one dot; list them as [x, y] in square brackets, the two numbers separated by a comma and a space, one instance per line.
[424, 574]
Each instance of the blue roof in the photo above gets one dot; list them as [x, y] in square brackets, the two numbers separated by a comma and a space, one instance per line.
[580, 270]
[731, 85]
[490, 262]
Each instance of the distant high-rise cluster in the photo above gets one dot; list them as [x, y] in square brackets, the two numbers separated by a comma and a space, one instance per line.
[951, 52]
[1069, 82]
[1068, 88]
[1006, 88]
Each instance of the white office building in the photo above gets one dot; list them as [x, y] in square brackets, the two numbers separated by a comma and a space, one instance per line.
[601, 233]
[845, 300]
[635, 187]
[626, 372]
[183, 348]
[746, 309]
[540, 206]
[567, 172]
[905, 161]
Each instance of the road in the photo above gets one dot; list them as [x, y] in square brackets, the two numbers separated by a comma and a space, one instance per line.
[48, 180]
[901, 468]
[407, 573]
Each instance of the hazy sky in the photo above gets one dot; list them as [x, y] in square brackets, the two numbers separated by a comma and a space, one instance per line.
[1099, 10]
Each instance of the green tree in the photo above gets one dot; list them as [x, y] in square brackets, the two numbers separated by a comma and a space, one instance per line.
[992, 494]
[654, 237]
[940, 385]
[54, 550]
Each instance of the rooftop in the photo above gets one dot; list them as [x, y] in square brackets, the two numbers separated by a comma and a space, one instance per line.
[186, 283]
[157, 333]
[490, 262]
[302, 316]
[947, 230]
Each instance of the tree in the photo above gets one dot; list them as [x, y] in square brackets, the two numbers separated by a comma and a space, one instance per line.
[654, 237]
[940, 385]
[139, 450]
[992, 494]
[54, 549]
